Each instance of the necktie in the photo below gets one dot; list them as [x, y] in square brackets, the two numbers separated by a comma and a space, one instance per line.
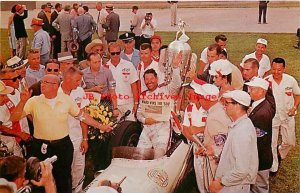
[98, 17]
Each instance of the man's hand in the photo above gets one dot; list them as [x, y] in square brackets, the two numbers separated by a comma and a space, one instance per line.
[25, 136]
[116, 112]
[47, 178]
[25, 94]
[105, 128]
[150, 121]
[98, 88]
[292, 111]
[84, 146]
[177, 59]
[215, 186]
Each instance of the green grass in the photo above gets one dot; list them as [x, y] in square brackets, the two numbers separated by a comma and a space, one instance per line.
[240, 44]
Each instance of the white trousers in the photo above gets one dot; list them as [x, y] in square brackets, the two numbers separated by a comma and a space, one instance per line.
[78, 165]
[287, 131]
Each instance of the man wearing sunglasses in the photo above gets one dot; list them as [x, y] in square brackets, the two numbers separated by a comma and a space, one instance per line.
[19, 66]
[126, 78]
[130, 53]
[50, 68]
[8, 104]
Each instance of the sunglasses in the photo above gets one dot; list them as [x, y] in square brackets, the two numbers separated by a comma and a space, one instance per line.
[115, 53]
[13, 79]
[54, 70]
[46, 82]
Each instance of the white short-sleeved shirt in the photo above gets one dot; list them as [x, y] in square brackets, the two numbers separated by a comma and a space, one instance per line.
[78, 95]
[203, 55]
[141, 71]
[5, 116]
[283, 94]
[264, 63]
[195, 117]
[125, 74]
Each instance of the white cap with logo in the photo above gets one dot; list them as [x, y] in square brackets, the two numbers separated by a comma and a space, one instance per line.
[258, 82]
[208, 91]
[262, 41]
[239, 96]
[220, 67]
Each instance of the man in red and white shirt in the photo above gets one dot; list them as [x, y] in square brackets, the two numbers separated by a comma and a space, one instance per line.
[126, 78]
[194, 123]
[8, 103]
[147, 63]
[287, 97]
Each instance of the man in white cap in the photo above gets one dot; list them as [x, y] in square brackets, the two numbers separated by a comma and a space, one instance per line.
[130, 53]
[261, 57]
[10, 133]
[287, 97]
[66, 60]
[239, 159]
[194, 123]
[215, 133]
[221, 72]
[261, 114]
[19, 66]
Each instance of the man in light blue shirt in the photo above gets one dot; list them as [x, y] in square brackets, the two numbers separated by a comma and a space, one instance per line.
[41, 40]
[35, 69]
[130, 53]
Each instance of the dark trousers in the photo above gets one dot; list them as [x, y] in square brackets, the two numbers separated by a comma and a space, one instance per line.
[81, 54]
[56, 45]
[137, 42]
[99, 151]
[262, 11]
[63, 149]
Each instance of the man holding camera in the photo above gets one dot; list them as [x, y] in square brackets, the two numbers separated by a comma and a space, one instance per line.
[148, 25]
[13, 169]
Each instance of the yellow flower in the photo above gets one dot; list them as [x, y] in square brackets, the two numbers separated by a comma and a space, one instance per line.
[109, 114]
[104, 113]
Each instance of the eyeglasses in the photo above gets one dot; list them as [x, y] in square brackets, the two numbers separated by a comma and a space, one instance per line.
[46, 82]
[226, 103]
[115, 53]
[13, 79]
[54, 70]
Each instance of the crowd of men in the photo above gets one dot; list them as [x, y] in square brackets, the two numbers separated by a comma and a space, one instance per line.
[236, 112]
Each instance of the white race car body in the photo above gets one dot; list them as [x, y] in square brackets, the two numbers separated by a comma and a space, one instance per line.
[147, 176]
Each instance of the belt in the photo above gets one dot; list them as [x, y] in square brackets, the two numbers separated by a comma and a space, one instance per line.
[55, 141]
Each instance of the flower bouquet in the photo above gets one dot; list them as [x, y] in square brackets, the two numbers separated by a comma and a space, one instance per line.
[100, 110]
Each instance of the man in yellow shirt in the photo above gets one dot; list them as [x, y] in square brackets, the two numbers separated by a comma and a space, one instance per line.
[50, 113]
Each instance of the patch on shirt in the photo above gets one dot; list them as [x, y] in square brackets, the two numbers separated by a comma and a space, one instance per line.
[220, 139]
[260, 132]
[289, 91]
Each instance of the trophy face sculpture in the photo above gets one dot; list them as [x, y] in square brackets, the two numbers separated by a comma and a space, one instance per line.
[180, 44]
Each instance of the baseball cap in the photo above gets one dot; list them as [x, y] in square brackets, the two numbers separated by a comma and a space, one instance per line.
[208, 91]
[37, 21]
[18, 7]
[155, 37]
[220, 67]
[258, 82]
[239, 96]
[262, 41]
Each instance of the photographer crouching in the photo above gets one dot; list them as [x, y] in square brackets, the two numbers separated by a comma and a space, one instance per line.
[148, 28]
[13, 169]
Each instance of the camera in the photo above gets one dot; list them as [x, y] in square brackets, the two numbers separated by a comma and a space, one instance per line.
[4, 150]
[148, 16]
[33, 168]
